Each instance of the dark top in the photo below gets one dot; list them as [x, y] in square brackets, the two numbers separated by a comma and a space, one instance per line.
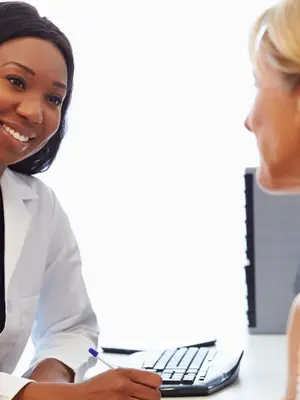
[2, 293]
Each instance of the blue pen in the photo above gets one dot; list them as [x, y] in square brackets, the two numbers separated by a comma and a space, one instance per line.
[95, 354]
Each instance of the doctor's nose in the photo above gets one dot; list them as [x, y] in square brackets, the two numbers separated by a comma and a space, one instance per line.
[31, 110]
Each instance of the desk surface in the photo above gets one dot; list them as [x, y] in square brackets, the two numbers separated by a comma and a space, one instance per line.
[262, 375]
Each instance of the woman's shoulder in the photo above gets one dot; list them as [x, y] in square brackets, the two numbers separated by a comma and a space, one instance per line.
[30, 180]
[31, 186]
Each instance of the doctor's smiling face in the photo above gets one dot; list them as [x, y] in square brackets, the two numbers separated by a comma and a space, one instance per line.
[33, 85]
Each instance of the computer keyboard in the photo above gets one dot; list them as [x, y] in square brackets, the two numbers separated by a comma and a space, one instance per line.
[193, 371]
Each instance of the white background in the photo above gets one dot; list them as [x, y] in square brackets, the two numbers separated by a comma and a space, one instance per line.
[151, 170]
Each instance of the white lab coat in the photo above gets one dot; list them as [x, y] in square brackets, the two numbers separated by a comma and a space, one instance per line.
[44, 289]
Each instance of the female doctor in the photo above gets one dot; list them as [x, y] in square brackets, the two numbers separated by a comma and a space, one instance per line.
[41, 286]
[275, 121]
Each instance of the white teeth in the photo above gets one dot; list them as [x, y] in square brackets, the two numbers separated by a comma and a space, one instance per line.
[15, 134]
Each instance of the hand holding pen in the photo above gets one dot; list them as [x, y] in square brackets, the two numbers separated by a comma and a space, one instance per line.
[121, 384]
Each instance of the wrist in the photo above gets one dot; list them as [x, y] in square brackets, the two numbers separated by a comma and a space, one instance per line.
[51, 370]
[48, 391]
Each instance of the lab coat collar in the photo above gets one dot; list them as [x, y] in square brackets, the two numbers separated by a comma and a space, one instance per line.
[17, 191]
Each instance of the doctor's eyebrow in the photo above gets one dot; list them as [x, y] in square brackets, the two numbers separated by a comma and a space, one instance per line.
[31, 72]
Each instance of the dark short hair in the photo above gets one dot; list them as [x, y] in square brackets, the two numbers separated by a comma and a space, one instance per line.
[19, 19]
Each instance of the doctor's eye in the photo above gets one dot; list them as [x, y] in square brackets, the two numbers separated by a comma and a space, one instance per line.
[17, 81]
[54, 99]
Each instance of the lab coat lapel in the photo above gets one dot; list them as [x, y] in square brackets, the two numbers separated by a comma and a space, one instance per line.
[16, 193]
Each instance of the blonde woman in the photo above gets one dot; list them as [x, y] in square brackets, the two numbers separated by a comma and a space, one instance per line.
[275, 121]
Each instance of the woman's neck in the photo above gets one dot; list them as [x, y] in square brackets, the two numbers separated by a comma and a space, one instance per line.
[279, 182]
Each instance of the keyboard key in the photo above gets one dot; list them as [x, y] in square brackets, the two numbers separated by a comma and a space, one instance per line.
[203, 370]
[211, 354]
[175, 378]
[189, 355]
[178, 376]
[162, 362]
[193, 370]
[165, 376]
[152, 359]
[189, 378]
[176, 369]
[199, 358]
[171, 381]
[176, 357]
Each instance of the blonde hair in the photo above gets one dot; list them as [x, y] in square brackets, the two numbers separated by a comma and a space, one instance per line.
[277, 33]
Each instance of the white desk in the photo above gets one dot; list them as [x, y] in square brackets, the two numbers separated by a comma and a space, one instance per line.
[263, 371]
[262, 375]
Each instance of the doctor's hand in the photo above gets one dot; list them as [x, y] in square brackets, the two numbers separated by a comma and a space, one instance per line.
[115, 384]
[121, 384]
